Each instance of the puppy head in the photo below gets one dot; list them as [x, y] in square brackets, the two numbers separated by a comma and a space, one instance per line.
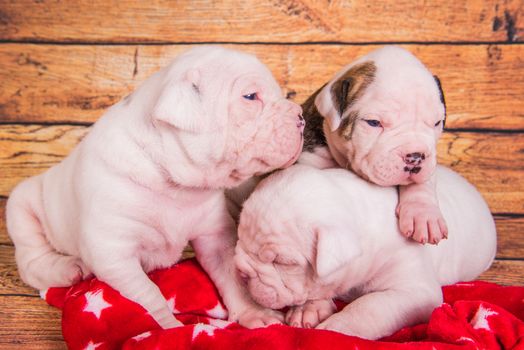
[224, 109]
[384, 114]
[292, 241]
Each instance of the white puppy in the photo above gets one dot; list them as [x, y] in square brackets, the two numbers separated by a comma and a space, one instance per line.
[381, 117]
[149, 177]
[308, 235]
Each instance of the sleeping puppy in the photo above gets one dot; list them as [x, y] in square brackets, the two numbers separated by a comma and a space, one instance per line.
[149, 177]
[308, 235]
[381, 117]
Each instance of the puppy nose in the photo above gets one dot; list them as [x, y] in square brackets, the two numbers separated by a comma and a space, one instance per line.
[301, 122]
[414, 158]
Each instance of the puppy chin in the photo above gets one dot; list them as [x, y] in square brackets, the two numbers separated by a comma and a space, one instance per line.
[400, 178]
[264, 295]
[293, 159]
[423, 176]
[284, 165]
[235, 179]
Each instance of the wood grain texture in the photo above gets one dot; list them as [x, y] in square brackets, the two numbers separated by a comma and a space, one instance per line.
[60, 71]
[12, 284]
[75, 84]
[29, 323]
[505, 272]
[491, 161]
[510, 246]
[510, 240]
[261, 21]
[4, 238]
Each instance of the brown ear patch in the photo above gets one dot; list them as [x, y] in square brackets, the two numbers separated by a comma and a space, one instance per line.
[346, 125]
[350, 87]
[442, 98]
[313, 132]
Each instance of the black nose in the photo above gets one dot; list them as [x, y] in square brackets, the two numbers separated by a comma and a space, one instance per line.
[414, 158]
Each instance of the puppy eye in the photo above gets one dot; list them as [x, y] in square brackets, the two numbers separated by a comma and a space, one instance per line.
[438, 123]
[251, 97]
[374, 123]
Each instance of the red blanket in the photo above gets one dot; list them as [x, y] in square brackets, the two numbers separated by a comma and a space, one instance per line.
[476, 315]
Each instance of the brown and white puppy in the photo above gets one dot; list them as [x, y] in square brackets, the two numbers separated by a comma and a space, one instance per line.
[381, 117]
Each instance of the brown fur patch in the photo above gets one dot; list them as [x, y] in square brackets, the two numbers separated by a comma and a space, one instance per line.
[351, 86]
[442, 98]
[313, 132]
[346, 125]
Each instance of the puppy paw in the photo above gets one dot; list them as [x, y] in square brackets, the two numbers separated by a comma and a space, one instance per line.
[70, 270]
[260, 317]
[423, 222]
[337, 323]
[53, 270]
[310, 314]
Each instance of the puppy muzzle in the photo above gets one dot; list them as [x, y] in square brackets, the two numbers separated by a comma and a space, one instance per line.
[264, 295]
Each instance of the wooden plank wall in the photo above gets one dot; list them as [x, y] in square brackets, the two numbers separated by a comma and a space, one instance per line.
[63, 63]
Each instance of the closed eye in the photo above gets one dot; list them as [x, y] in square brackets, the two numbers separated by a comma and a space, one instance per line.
[295, 268]
[438, 123]
[251, 97]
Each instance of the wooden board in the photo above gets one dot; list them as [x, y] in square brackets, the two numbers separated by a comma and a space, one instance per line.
[491, 161]
[509, 240]
[62, 63]
[29, 323]
[75, 84]
[10, 281]
[505, 272]
[262, 21]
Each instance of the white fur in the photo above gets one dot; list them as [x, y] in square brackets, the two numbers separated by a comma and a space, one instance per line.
[404, 97]
[333, 234]
[149, 178]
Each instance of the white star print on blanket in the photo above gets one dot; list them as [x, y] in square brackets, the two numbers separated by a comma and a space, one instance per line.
[92, 346]
[203, 328]
[95, 303]
[480, 320]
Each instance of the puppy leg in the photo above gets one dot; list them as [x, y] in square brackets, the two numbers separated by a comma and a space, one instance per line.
[215, 253]
[127, 276]
[381, 313]
[39, 264]
[419, 213]
[311, 313]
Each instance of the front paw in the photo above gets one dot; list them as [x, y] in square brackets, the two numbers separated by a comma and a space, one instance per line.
[310, 314]
[337, 323]
[422, 221]
[259, 317]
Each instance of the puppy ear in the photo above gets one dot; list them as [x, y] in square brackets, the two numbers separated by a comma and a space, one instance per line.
[338, 97]
[442, 99]
[335, 248]
[180, 105]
